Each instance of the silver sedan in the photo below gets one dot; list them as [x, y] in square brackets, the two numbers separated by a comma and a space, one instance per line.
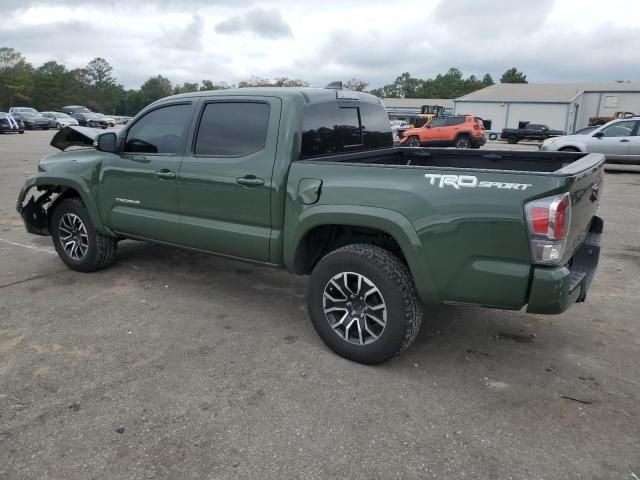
[619, 140]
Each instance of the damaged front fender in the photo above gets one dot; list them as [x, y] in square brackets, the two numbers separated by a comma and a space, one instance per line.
[35, 206]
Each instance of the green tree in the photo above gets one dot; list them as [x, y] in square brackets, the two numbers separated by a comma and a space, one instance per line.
[100, 73]
[288, 82]
[155, 88]
[103, 91]
[356, 84]
[51, 86]
[186, 87]
[487, 80]
[16, 78]
[513, 76]
[209, 85]
[276, 82]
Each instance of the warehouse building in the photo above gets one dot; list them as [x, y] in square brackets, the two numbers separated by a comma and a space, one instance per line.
[562, 106]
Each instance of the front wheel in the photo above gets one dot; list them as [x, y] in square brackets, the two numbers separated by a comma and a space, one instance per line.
[363, 303]
[76, 240]
[512, 139]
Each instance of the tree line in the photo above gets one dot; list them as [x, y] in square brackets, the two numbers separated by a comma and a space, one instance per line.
[451, 84]
[52, 85]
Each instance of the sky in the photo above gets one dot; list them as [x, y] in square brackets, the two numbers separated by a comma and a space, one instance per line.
[327, 40]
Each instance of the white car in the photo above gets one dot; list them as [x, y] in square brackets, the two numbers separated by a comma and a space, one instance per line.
[395, 126]
[110, 120]
[60, 119]
[619, 140]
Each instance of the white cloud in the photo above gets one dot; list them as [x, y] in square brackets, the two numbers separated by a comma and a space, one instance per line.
[335, 39]
[265, 23]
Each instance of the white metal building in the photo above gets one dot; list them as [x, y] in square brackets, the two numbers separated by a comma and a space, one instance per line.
[562, 106]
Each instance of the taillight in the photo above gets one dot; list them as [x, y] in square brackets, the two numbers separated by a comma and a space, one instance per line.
[476, 126]
[548, 220]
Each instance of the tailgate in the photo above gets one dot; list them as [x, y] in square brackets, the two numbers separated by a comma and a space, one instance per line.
[585, 182]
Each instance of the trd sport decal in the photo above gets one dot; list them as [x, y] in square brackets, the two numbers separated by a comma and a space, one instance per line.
[469, 181]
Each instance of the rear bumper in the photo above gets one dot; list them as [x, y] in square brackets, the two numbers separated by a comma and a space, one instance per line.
[554, 290]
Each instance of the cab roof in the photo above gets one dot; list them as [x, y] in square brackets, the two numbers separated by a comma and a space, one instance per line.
[311, 95]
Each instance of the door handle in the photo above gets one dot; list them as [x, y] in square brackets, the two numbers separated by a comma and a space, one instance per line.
[165, 174]
[624, 140]
[250, 181]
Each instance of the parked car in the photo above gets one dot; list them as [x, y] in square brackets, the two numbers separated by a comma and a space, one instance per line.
[396, 126]
[8, 124]
[90, 120]
[110, 120]
[59, 119]
[460, 131]
[307, 180]
[529, 131]
[619, 140]
[71, 109]
[32, 121]
[19, 110]
[597, 121]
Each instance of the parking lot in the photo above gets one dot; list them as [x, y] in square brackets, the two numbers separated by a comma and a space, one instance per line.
[171, 364]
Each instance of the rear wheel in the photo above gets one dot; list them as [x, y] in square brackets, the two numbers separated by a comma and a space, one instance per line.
[363, 303]
[76, 240]
[512, 139]
[413, 141]
[463, 142]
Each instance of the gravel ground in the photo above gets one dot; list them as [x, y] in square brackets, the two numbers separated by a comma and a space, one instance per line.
[175, 365]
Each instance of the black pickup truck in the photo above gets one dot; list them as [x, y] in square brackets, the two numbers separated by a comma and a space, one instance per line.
[529, 131]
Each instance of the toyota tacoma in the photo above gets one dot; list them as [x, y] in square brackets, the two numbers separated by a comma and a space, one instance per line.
[308, 180]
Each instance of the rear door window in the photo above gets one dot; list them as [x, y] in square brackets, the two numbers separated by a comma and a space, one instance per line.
[232, 129]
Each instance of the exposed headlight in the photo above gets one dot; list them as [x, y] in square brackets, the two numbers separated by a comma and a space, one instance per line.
[549, 141]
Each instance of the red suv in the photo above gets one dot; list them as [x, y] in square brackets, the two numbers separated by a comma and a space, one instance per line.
[460, 131]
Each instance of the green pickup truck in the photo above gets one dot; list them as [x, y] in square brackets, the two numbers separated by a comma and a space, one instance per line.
[308, 180]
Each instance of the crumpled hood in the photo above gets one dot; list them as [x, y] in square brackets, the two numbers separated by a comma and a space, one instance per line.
[73, 136]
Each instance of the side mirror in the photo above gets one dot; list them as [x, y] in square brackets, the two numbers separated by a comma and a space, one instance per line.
[598, 135]
[106, 142]
[427, 125]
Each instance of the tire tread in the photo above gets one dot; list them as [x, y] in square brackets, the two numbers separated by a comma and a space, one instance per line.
[397, 271]
[106, 247]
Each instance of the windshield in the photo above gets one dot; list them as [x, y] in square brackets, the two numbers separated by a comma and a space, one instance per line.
[26, 110]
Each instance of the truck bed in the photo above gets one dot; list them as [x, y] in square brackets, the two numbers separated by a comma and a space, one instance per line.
[558, 163]
[471, 229]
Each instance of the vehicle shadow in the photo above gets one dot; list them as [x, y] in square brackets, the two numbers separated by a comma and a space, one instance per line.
[484, 342]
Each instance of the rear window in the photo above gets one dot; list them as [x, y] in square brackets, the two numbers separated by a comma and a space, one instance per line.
[331, 128]
[438, 122]
[455, 121]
